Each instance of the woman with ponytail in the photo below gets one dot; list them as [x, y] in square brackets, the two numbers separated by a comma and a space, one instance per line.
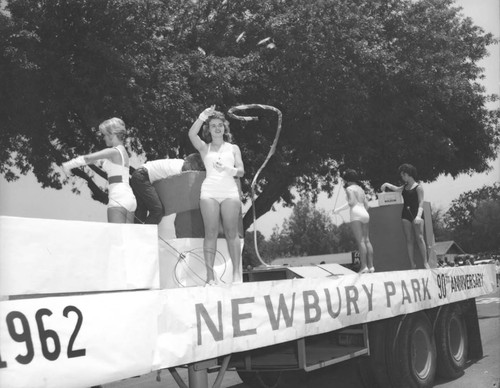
[115, 163]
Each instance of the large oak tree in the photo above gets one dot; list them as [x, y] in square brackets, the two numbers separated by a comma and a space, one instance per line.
[367, 84]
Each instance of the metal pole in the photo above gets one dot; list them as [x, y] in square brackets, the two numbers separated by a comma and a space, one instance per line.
[198, 378]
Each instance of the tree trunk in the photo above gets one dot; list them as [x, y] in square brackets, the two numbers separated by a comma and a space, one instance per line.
[271, 193]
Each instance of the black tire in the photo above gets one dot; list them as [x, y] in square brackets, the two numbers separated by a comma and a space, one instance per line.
[365, 373]
[381, 335]
[451, 342]
[415, 356]
[249, 378]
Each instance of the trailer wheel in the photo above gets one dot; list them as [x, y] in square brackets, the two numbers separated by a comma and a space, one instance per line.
[381, 335]
[451, 342]
[249, 378]
[365, 373]
[415, 353]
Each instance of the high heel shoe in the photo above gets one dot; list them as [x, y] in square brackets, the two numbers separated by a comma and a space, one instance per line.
[364, 270]
[371, 269]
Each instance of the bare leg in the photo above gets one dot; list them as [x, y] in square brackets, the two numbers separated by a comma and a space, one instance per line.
[230, 210]
[117, 215]
[368, 245]
[210, 211]
[408, 231]
[419, 237]
[357, 230]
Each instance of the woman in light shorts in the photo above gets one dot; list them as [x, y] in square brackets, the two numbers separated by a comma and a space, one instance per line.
[115, 162]
[358, 205]
[220, 196]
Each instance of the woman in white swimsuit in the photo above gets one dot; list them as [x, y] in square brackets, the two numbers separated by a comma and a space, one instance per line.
[219, 196]
[115, 163]
[358, 204]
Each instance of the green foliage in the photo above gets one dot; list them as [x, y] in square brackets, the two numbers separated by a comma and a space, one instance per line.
[249, 256]
[365, 84]
[308, 231]
[441, 232]
[474, 219]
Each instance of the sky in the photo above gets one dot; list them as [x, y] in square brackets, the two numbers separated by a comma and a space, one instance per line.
[26, 198]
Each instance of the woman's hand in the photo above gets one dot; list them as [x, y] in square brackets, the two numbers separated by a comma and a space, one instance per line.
[206, 113]
[74, 163]
[383, 187]
[418, 220]
[220, 167]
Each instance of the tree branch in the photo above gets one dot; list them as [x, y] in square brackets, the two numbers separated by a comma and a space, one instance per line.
[97, 193]
[272, 192]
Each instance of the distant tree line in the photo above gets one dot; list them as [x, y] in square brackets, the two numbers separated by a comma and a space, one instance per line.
[472, 221]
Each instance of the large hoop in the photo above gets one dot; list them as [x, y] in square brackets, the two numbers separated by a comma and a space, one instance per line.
[231, 113]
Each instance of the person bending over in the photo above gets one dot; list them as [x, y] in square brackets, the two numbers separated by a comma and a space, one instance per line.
[149, 207]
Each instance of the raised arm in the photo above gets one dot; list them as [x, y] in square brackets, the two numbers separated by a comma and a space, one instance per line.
[108, 153]
[199, 144]
[391, 187]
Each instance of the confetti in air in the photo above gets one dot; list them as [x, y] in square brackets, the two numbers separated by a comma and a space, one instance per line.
[240, 37]
[202, 51]
[264, 41]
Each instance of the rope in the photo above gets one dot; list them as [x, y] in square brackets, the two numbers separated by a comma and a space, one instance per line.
[335, 203]
[231, 113]
[182, 256]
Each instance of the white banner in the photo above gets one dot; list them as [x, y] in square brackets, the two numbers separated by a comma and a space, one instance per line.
[79, 341]
[220, 320]
[39, 256]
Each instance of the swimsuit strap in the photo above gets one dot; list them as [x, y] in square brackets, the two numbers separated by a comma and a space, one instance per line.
[121, 154]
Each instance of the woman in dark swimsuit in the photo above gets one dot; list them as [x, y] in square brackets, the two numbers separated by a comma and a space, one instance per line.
[413, 223]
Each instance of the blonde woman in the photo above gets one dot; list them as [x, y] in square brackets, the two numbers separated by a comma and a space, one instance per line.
[360, 218]
[115, 163]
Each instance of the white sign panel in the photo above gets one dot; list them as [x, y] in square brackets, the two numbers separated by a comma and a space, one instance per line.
[219, 320]
[39, 256]
[77, 341]
[80, 341]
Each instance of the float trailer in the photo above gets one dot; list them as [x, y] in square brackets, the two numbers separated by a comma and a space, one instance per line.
[87, 303]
